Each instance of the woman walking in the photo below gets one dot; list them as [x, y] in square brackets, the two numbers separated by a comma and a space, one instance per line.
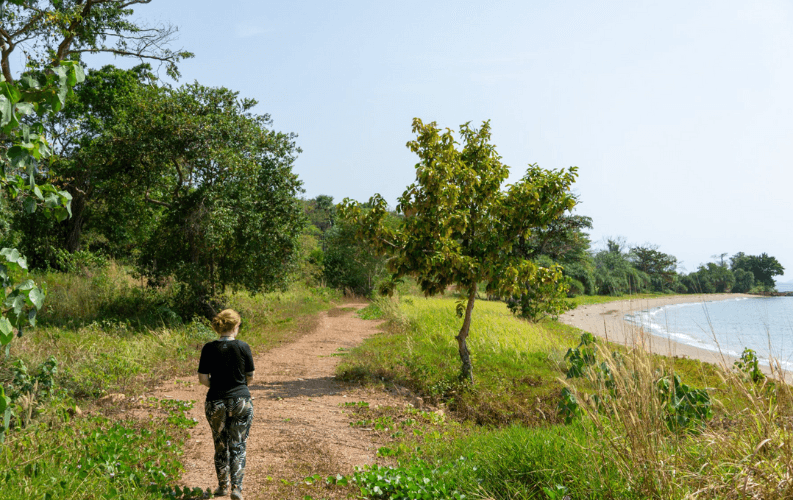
[226, 368]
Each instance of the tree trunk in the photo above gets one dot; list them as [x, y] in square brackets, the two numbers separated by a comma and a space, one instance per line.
[80, 189]
[463, 351]
[75, 223]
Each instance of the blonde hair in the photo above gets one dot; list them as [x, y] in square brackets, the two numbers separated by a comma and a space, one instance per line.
[225, 321]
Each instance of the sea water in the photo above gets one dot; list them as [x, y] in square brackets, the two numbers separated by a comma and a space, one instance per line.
[763, 324]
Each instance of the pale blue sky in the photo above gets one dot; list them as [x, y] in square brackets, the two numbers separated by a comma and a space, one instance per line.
[678, 114]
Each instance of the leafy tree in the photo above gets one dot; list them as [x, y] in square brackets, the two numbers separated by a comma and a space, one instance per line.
[459, 224]
[118, 221]
[58, 30]
[763, 267]
[349, 263]
[21, 151]
[308, 264]
[581, 277]
[561, 243]
[659, 266]
[221, 182]
[321, 212]
[563, 240]
[710, 278]
[49, 33]
[743, 281]
[566, 242]
[614, 273]
[541, 299]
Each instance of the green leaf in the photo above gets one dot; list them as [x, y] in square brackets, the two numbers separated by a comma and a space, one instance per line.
[62, 94]
[26, 285]
[61, 214]
[32, 317]
[25, 108]
[6, 331]
[37, 296]
[52, 201]
[15, 151]
[11, 92]
[5, 111]
[31, 170]
[13, 256]
[80, 76]
[29, 205]
[38, 192]
[5, 401]
[17, 304]
[55, 102]
[28, 82]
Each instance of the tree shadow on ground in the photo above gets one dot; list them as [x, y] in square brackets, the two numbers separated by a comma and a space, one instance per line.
[305, 388]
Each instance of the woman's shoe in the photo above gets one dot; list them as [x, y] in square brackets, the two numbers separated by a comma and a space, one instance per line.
[236, 494]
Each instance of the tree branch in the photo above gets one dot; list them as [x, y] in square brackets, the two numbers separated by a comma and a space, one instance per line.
[63, 47]
[155, 202]
[119, 52]
[180, 177]
[388, 243]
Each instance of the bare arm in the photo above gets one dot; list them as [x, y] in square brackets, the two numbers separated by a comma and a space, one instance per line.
[204, 379]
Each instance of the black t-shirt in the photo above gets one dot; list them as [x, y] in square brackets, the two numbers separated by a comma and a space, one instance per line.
[227, 362]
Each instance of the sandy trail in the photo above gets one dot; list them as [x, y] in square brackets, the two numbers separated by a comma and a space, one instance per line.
[299, 427]
[607, 321]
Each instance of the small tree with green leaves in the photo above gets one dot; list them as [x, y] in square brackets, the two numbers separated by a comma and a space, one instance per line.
[460, 221]
[764, 267]
[21, 165]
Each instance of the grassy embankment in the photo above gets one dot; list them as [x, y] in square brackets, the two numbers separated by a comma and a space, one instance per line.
[636, 439]
[107, 335]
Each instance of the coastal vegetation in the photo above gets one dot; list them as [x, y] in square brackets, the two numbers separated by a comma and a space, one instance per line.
[555, 413]
[132, 210]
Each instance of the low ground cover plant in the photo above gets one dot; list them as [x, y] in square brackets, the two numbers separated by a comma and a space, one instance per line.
[96, 457]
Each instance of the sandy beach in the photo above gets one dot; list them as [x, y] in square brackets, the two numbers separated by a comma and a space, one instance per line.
[607, 321]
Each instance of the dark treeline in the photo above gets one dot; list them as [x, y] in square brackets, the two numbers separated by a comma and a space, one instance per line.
[333, 257]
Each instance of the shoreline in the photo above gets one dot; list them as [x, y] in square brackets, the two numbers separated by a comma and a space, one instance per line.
[607, 321]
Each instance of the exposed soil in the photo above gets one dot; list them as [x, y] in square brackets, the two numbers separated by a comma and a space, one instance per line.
[300, 427]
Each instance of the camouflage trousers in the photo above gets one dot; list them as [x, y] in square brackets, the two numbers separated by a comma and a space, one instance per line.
[230, 421]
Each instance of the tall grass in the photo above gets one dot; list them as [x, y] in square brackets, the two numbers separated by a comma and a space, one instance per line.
[109, 335]
[104, 318]
[634, 408]
[513, 360]
[646, 435]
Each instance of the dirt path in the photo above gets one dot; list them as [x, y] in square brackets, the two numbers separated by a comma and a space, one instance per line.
[299, 426]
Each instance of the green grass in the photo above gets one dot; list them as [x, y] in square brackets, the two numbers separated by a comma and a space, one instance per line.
[109, 335]
[520, 447]
[438, 457]
[516, 362]
[106, 319]
[587, 300]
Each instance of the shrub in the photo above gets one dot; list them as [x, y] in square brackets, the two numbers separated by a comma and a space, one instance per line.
[542, 299]
[744, 281]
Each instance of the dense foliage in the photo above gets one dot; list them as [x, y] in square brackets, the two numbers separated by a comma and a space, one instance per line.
[223, 183]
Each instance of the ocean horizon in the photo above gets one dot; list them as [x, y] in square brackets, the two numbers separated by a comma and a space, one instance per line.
[763, 324]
